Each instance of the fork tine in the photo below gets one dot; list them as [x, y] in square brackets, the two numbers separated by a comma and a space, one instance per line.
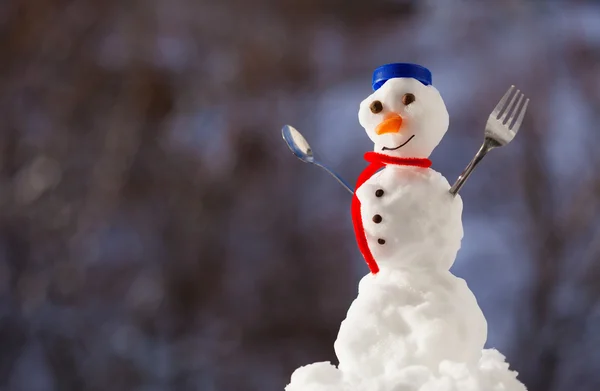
[502, 102]
[514, 113]
[517, 124]
[509, 107]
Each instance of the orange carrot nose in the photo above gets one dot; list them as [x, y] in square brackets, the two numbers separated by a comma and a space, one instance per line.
[391, 124]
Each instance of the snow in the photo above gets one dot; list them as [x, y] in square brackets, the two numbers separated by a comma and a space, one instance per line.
[490, 374]
[414, 326]
[410, 317]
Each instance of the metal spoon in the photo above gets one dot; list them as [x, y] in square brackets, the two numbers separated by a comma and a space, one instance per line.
[300, 147]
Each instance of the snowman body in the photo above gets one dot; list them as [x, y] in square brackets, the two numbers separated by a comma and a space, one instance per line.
[413, 311]
[409, 218]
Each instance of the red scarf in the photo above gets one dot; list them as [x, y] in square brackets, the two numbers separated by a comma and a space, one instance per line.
[377, 160]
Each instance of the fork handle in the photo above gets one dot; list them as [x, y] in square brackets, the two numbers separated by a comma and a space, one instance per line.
[485, 148]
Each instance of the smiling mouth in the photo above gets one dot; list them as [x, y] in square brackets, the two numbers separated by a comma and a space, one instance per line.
[399, 146]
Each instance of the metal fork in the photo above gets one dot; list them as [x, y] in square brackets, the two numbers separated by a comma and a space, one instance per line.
[500, 129]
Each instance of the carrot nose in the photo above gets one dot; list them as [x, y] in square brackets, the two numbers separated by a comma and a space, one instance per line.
[391, 124]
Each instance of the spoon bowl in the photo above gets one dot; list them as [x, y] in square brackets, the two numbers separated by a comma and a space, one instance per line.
[297, 144]
[300, 147]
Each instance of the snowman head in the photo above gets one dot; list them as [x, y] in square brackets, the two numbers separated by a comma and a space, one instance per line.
[405, 116]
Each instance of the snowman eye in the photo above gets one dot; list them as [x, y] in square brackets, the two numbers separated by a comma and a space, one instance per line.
[376, 107]
[408, 99]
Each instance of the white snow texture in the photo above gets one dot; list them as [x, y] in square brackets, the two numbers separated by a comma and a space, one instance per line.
[414, 325]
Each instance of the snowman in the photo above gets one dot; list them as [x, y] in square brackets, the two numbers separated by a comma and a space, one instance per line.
[414, 325]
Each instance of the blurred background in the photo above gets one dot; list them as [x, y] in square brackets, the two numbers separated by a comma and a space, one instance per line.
[157, 234]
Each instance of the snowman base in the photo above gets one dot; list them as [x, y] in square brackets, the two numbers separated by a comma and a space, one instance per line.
[401, 334]
[491, 373]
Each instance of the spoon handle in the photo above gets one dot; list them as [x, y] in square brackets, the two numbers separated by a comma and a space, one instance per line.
[333, 174]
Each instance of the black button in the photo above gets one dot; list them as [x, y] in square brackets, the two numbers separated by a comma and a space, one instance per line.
[379, 193]
[377, 219]
[380, 241]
